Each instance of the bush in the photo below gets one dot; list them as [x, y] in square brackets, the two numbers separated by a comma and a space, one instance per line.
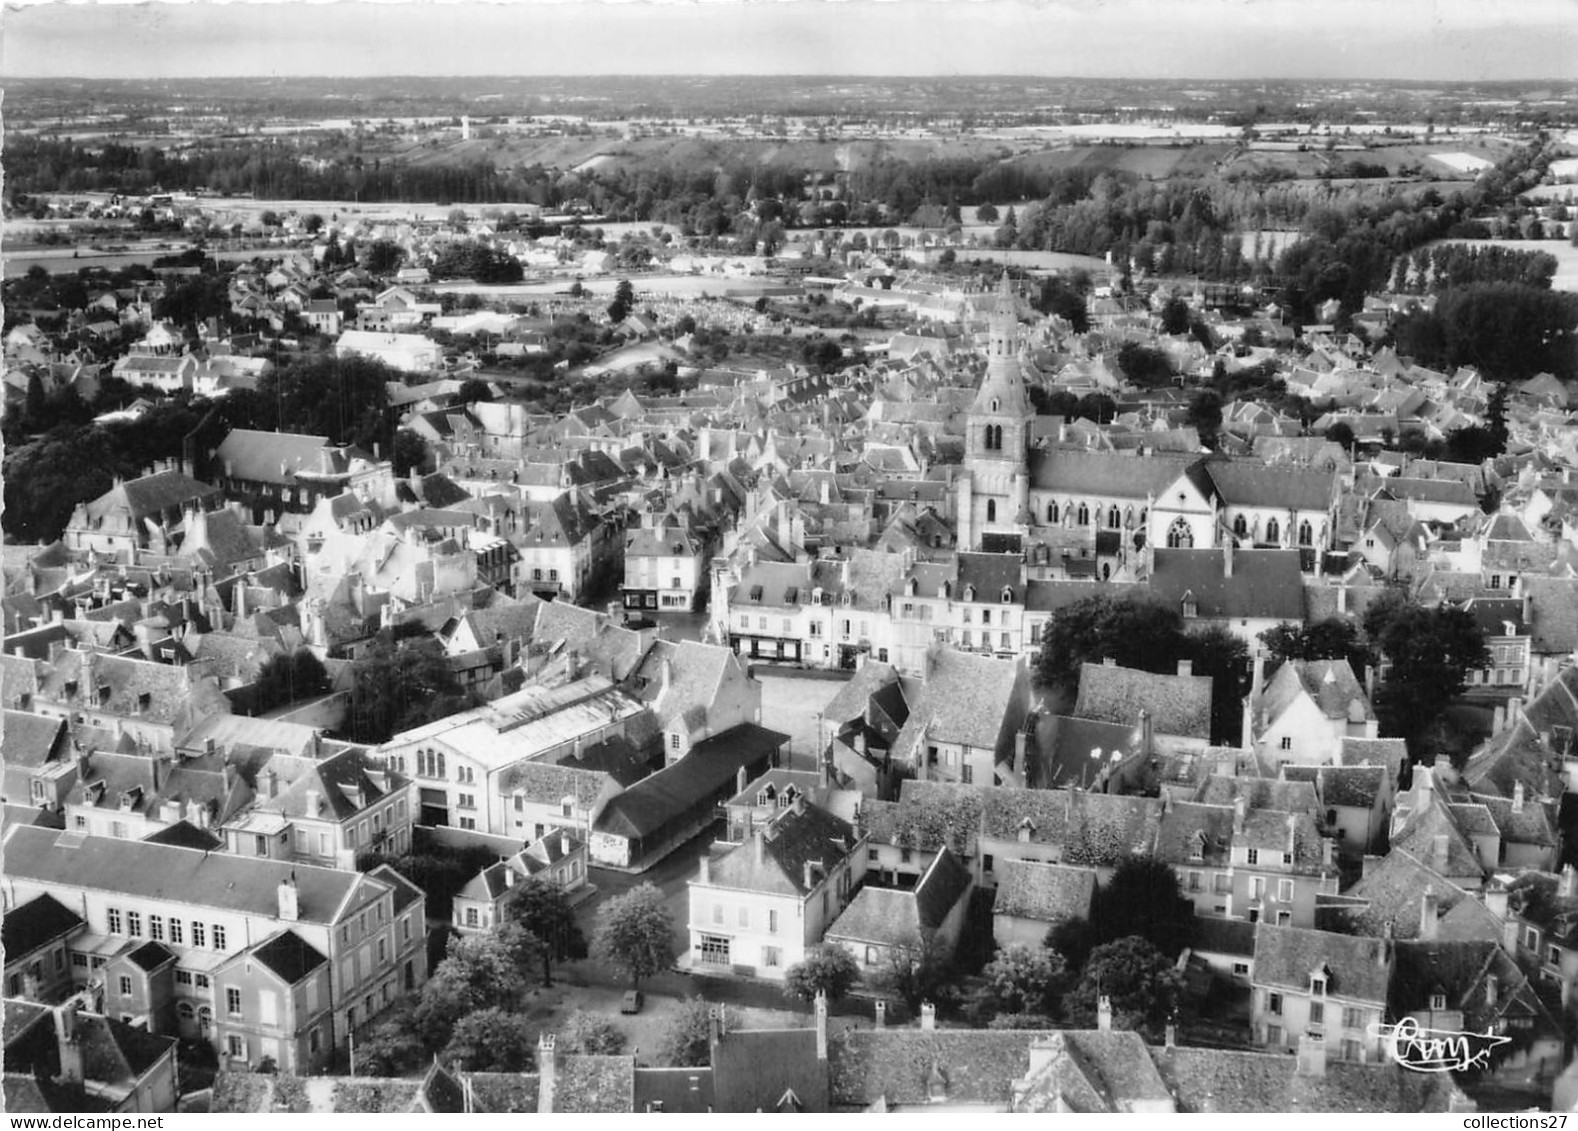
[592, 1034]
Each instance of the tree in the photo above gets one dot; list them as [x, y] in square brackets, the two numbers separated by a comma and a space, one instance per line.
[34, 405]
[541, 908]
[624, 302]
[1430, 652]
[1205, 414]
[1022, 980]
[1141, 982]
[635, 932]
[491, 1040]
[821, 353]
[400, 685]
[1342, 435]
[383, 257]
[1143, 899]
[478, 972]
[1136, 632]
[408, 454]
[1175, 316]
[1058, 297]
[1144, 366]
[312, 223]
[687, 1042]
[472, 390]
[392, 1047]
[830, 970]
[986, 214]
[290, 677]
[917, 970]
[1331, 639]
[1218, 653]
[591, 1034]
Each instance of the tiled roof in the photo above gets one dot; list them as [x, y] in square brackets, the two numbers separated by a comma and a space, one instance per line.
[1191, 832]
[1265, 583]
[40, 920]
[1230, 1080]
[71, 861]
[1076, 472]
[588, 1084]
[271, 457]
[1354, 787]
[1331, 684]
[1223, 936]
[1050, 893]
[752, 1069]
[289, 956]
[1104, 830]
[1245, 483]
[1555, 621]
[650, 804]
[28, 740]
[153, 494]
[1358, 968]
[1393, 889]
[976, 1066]
[1260, 793]
[797, 839]
[1179, 705]
[966, 699]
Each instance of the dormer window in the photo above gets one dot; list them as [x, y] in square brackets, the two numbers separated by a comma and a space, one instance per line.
[1437, 1002]
[1007, 595]
[1318, 984]
[1191, 607]
[104, 694]
[1197, 847]
[912, 587]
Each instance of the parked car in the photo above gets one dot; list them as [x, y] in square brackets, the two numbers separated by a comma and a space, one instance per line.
[632, 1002]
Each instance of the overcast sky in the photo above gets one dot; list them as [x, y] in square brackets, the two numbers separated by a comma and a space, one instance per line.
[1387, 39]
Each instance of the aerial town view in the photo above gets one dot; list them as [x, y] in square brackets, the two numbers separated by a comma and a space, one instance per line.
[767, 558]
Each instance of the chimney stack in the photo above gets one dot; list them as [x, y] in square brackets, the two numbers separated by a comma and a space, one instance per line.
[704, 874]
[1312, 1056]
[928, 1017]
[760, 843]
[1517, 797]
[1240, 810]
[1104, 1014]
[1569, 883]
[1429, 915]
[546, 1073]
[1227, 556]
[809, 875]
[1442, 850]
[1186, 667]
[1496, 898]
[1492, 990]
[739, 780]
[69, 1042]
[289, 899]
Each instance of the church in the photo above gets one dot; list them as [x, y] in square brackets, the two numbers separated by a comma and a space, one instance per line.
[1032, 499]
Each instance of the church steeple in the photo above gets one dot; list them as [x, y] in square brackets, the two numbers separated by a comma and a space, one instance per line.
[1002, 392]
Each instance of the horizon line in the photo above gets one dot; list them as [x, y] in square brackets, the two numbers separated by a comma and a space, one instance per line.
[691, 76]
